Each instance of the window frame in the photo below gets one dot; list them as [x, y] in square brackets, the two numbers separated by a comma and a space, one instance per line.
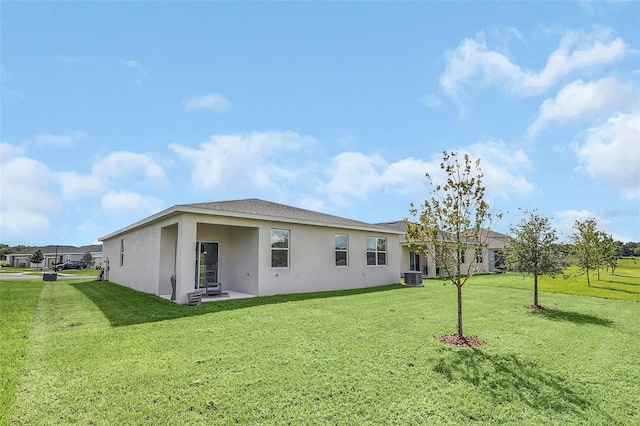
[338, 250]
[286, 249]
[377, 252]
[122, 252]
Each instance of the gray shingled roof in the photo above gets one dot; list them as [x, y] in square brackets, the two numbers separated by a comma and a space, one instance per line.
[398, 225]
[267, 209]
[62, 249]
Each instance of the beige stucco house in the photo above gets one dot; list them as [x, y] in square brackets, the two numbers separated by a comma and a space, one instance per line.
[54, 254]
[484, 261]
[250, 246]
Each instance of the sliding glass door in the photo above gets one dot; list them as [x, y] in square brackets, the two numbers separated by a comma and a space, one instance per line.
[206, 263]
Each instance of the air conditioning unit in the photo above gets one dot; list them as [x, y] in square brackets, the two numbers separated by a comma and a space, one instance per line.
[413, 278]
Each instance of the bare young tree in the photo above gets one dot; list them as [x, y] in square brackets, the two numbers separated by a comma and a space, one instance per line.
[455, 220]
[533, 249]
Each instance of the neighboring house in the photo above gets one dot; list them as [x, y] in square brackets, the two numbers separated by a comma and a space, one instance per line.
[485, 260]
[250, 246]
[53, 255]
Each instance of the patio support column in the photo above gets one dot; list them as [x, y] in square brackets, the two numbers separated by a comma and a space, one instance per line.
[185, 257]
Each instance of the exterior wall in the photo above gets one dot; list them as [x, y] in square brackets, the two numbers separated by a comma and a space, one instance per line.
[168, 244]
[19, 260]
[245, 257]
[434, 272]
[312, 261]
[140, 269]
[152, 255]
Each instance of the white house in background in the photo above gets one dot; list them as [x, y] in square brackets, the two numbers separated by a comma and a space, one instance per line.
[486, 260]
[250, 246]
[53, 255]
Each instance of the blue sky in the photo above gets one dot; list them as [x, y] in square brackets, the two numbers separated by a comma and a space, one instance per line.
[112, 111]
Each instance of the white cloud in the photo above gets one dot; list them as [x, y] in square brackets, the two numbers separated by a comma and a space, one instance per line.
[504, 170]
[213, 101]
[611, 151]
[579, 101]
[141, 73]
[258, 158]
[65, 140]
[75, 185]
[107, 173]
[27, 200]
[473, 61]
[68, 59]
[311, 203]
[356, 175]
[9, 151]
[431, 101]
[564, 220]
[119, 164]
[129, 202]
[11, 94]
[408, 176]
[29, 189]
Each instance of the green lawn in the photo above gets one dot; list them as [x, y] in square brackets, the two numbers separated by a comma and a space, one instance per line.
[624, 285]
[87, 352]
[89, 272]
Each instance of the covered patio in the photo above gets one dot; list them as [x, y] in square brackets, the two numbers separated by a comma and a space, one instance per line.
[219, 253]
[226, 295]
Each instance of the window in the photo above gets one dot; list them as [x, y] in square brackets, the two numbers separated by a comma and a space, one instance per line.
[414, 261]
[479, 255]
[376, 251]
[461, 256]
[279, 248]
[122, 252]
[342, 249]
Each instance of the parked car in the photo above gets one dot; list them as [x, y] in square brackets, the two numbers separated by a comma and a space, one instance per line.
[70, 264]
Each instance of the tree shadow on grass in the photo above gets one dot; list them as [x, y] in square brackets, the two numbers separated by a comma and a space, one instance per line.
[574, 317]
[123, 306]
[622, 290]
[506, 379]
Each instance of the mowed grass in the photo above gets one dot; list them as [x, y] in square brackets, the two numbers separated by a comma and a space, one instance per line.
[624, 285]
[89, 272]
[17, 306]
[98, 353]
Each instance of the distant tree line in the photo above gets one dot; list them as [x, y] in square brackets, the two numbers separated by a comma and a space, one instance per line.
[629, 249]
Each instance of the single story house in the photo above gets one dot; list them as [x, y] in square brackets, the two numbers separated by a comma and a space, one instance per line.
[53, 255]
[250, 246]
[486, 260]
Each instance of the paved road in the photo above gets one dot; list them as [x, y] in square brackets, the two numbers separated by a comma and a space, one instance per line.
[22, 276]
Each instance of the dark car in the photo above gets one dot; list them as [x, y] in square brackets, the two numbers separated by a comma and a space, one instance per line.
[70, 264]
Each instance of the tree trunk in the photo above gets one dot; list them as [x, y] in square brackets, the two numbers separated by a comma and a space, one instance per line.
[459, 310]
[588, 281]
[535, 289]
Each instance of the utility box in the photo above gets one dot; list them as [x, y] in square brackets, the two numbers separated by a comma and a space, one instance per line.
[413, 279]
[49, 276]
